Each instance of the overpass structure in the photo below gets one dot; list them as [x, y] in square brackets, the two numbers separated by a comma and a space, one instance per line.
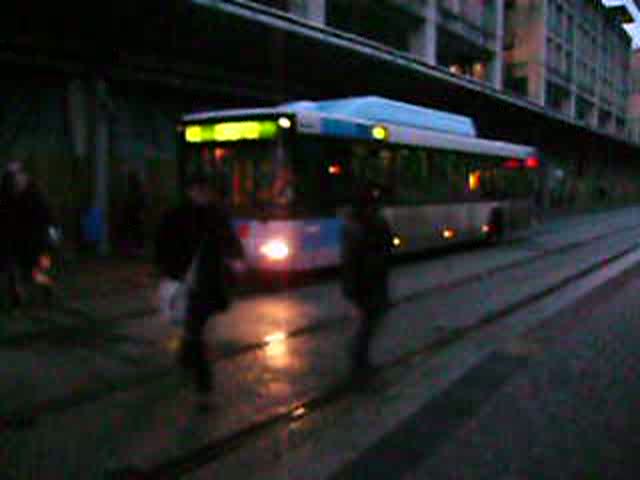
[94, 91]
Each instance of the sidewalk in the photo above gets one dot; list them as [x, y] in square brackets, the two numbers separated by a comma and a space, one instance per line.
[91, 276]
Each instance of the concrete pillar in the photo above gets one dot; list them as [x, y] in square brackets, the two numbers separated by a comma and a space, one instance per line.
[78, 111]
[498, 60]
[431, 37]
[101, 194]
[424, 42]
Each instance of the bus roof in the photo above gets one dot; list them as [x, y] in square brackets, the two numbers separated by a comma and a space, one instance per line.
[369, 109]
[378, 109]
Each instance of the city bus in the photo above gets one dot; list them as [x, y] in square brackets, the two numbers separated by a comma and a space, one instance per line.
[288, 173]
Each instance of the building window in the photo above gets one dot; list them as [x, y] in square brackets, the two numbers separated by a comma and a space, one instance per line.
[299, 7]
[568, 33]
[516, 79]
[456, 69]
[583, 110]
[479, 71]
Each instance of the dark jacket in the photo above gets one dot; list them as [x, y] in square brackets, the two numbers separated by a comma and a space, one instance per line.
[26, 218]
[366, 252]
[5, 242]
[185, 229]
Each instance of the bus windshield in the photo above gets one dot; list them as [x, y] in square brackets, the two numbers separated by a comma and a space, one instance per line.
[252, 176]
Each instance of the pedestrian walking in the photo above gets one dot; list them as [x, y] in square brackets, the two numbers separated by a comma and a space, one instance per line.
[199, 234]
[26, 219]
[366, 251]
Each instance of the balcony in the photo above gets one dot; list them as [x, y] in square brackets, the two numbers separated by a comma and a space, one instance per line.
[560, 75]
[383, 21]
[457, 23]
[586, 87]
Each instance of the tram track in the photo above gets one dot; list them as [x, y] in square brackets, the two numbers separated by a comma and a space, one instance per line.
[92, 320]
[213, 451]
[26, 418]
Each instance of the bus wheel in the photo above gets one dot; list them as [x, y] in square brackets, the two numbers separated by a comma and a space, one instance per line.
[496, 227]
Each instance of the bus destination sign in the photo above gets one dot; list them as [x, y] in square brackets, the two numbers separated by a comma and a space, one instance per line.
[231, 131]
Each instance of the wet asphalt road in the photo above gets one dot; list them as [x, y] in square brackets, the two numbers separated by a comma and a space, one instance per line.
[561, 402]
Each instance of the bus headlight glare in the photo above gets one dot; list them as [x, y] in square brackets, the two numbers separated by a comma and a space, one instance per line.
[275, 250]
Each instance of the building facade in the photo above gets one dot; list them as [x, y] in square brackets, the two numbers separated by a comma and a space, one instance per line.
[572, 57]
[569, 56]
[633, 120]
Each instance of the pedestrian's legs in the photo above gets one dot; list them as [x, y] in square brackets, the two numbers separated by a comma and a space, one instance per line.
[193, 352]
[15, 284]
[362, 341]
[193, 358]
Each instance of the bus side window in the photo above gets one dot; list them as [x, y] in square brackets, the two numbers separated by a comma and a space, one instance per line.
[457, 175]
[412, 177]
[439, 191]
[337, 172]
[384, 173]
[323, 171]
[359, 154]
[477, 178]
[308, 158]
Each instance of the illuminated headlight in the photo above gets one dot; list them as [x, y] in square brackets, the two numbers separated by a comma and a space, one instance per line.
[275, 250]
[284, 122]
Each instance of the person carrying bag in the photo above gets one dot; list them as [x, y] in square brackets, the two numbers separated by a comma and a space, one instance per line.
[172, 296]
[194, 246]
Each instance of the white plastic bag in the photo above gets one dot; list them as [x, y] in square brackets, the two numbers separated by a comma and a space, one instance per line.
[172, 296]
[171, 300]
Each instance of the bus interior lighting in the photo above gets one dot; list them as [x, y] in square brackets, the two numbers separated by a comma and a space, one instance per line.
[448, 233]
[474, 180]
[275, 250]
